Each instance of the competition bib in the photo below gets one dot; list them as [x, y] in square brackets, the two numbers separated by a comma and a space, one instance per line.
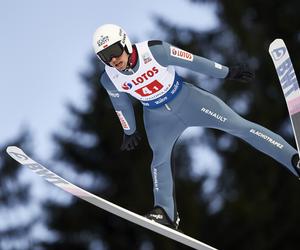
[152, 84]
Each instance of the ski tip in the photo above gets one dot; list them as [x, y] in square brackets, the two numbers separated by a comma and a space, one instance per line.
[278, 42]
[13, 149]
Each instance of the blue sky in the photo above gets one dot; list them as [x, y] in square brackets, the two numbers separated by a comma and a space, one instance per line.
[46, 44]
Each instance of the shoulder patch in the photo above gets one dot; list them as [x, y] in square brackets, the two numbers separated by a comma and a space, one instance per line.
[154, 42]
[180, 53]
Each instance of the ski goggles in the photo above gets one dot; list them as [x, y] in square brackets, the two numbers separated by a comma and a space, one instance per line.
[114, 50]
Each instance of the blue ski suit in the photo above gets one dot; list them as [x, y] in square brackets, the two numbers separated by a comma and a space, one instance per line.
[171, 105]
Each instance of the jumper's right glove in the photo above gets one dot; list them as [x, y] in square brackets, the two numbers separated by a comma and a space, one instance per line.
[240, 73]
[130, 142]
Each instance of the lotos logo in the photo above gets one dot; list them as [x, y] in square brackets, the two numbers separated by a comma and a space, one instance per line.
[145, 76]
[174, 51]
[126, 85]
[102, 40]
[182, 54]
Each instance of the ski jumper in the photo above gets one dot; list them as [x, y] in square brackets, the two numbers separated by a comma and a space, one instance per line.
[171, 105]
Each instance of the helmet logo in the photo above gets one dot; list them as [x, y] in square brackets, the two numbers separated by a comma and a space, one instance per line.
[102, 40]
[123, 39]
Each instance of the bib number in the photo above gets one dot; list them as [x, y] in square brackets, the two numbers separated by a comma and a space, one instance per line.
[150, 89]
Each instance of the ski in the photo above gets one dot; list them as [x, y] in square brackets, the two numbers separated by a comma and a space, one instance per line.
[289, 83]
[18, 155]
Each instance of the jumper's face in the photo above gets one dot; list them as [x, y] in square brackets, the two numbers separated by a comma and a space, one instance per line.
[120, 62]
[115, 55]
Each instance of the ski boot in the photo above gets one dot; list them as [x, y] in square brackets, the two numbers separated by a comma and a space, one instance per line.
[160, 216]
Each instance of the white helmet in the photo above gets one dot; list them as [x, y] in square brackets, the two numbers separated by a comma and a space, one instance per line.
[109, 40]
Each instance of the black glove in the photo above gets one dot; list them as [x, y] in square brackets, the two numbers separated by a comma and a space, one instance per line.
[240, 73]
[130, 142]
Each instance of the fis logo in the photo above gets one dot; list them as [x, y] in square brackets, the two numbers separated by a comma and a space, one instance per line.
[126, 86]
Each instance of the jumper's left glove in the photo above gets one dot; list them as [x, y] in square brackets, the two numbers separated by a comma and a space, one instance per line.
[130, 142]
[240, 73]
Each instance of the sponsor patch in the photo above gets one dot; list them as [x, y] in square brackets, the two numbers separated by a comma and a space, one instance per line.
[182, 54]
[146, 57]
[145, 76]
[155, 180]
[126, 86]
[123, 120]
[267, 138]
[214, 114]
[116, 95]
[103, 40]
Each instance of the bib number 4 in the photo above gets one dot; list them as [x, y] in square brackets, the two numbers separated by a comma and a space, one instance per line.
[150, 89]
